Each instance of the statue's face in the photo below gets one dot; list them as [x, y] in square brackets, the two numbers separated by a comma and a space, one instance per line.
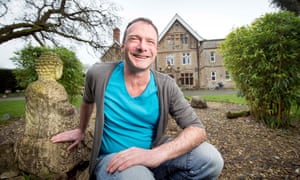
[58, 72]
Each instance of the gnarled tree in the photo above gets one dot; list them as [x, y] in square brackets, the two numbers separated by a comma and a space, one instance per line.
[51, 22]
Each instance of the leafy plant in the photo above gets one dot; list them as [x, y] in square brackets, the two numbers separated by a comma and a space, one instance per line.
[72, 78]
[263, 59]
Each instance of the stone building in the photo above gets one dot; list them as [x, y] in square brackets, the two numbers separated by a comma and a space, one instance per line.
[194, 62]
[114, 51]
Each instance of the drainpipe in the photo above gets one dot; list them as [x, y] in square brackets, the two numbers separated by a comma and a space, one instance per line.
[198, 62]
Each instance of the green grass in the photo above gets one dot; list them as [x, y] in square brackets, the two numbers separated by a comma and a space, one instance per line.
[232, 98]
[14, 108]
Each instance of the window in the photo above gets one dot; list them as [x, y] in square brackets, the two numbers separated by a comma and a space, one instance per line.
[187, 79]
[186, 58]
[176, 26]
[213, 75]
[227, 75]
[170, 59]
[170, 40]
[183, 39]
[212, 56]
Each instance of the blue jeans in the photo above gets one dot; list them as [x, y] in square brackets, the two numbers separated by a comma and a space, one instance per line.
[203, 162]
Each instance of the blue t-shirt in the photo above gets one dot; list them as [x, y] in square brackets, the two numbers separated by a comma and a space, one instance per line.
[129, 121]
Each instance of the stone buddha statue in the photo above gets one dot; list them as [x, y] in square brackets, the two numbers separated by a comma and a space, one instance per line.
[49, 67]
[47, 113]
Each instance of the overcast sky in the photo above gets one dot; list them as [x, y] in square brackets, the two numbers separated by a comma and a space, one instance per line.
[212, 19]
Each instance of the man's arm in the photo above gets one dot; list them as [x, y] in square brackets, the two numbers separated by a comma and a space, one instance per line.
[76, 135]
[188, 139]
[86, 110]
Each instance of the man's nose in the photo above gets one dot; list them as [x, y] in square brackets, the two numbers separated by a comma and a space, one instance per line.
[142, 46]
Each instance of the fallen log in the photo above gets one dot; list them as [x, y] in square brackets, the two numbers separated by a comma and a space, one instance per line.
[232, 115]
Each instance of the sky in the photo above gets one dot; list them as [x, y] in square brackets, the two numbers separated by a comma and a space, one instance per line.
[211, 19]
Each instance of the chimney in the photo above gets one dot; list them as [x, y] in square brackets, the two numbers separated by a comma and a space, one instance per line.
[116, 34]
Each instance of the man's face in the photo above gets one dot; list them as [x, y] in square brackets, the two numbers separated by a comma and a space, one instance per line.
[140, 46]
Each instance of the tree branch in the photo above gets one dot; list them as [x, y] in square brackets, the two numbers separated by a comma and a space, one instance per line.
[38, 40]
[3, 6]
[47, 21]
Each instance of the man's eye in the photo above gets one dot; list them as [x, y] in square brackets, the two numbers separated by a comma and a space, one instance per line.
[152, 42]
[133, 38]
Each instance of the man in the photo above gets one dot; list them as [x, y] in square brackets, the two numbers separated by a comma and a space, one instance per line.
[133, 103]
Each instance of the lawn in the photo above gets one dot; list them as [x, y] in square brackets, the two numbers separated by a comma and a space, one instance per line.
[16, 108]
[11, 109]
[232, 98]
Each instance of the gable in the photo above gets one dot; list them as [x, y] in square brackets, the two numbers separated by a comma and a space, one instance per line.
[177, 38]
[113, 53]
[179, 20]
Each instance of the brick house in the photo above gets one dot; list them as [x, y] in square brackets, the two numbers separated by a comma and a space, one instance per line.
[191, 60]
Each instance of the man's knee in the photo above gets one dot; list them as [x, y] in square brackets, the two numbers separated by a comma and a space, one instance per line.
[136, 172]
[208, 159]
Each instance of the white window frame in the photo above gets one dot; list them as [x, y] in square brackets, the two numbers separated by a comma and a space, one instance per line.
[186, 58]
[213, 75]
[170, 58]
[227, 76]
[212, 56]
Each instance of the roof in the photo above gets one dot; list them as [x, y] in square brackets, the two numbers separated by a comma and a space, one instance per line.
[114, 44]
[181, 21]
[213, 43]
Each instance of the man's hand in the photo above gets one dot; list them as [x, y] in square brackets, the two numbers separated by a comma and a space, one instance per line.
[134, 156]
[75, 136]
[188, 139]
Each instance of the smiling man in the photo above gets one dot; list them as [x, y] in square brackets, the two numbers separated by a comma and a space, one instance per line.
[133, 103]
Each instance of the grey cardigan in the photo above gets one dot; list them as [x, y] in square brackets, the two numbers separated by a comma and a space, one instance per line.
[171, 101]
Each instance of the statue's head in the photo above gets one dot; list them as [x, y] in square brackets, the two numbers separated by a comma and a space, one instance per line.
[49, 66]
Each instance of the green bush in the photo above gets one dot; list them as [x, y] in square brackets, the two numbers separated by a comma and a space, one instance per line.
[263, 59]
[72, 78]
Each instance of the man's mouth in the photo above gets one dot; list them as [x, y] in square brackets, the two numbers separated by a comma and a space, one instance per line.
[140, 56]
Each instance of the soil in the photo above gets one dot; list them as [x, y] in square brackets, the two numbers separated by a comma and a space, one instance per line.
[250, 150]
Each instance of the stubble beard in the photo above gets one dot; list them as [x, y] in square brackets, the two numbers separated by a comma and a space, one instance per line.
[133, 68]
